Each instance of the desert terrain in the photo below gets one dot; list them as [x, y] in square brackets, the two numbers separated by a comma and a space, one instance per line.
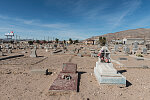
[17, 82]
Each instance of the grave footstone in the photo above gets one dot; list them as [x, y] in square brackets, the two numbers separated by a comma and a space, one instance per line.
[123, 59]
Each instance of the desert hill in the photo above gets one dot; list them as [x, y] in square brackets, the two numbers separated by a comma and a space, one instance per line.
[133, 33]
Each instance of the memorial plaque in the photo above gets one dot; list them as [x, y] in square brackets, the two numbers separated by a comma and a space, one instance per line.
[69, 68]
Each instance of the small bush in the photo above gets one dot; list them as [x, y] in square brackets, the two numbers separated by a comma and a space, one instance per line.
[139, 55]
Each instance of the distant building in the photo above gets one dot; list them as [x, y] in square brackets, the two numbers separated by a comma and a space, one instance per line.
[89, 42]
[92, 41]
[132, 40]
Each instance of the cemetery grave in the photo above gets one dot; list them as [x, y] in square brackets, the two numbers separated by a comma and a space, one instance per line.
[105, 73]
[66, 81]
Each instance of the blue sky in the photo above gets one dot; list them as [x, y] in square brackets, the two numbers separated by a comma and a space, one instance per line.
[77, 19]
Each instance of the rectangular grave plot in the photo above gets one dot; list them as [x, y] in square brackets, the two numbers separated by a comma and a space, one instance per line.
[69, 68]
[62, 85]
[139, 59]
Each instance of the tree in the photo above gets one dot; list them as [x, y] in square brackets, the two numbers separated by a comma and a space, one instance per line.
[57, 40]
[30, 42]
[70, 41]
[64, 41]
[38, 41]
[44, 41]
[76, 41]
[102, 41]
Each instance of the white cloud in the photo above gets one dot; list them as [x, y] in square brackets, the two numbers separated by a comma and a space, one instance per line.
[35, 22]
[130, 7]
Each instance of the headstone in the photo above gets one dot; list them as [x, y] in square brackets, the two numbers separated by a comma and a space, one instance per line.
[126, 49]
[144, 50]
[93, 55]
[0, 48]
[47, 49]
[1, 53]
[135, 46]
[40, 46]
[9, 50]
[33, 53]
[79, 55]
[116, 48]
[35, 47]
[6, 46]
[78, 50]
[105, 73]
[148, 46]
[98, 46]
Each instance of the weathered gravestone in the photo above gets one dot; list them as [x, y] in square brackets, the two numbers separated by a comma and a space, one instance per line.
[135, 47]
[79, 55]
[126, 49]
[1, 53]
[148, 46]
[33, 53]
[46, 49]
[93, 54]
[9, 50]
[116, 48]
[0, 48]
[144, 50]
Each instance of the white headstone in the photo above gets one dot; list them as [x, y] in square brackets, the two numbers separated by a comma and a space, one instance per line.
[33, 53]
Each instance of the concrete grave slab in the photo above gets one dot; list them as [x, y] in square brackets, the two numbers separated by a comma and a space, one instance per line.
[109, 78]
[139, 58]
[67, 80]
[61, 84]
[105, 73]
[123, 58]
